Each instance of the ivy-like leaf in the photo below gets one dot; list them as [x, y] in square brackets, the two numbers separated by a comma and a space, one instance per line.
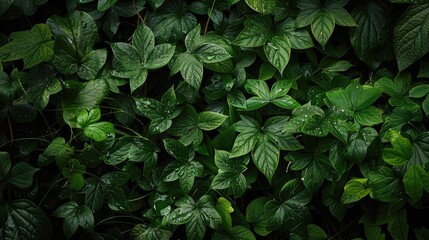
[21, 175]
[416, 179]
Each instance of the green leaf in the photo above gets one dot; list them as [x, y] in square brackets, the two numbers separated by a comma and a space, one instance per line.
[21, 175]
[419, 91]
[74, 216]
[255, 33]
[322, 26]
[126, 54]
[224, 208]
[397, 88]
[95, 192]
[197, 215]
[191, 70]
[411, 35]
[160, 56]
[415, 180]
[370, 19]
[210, 120]
[368, 116]
[354, 97]
[266, 155]
[400, 153]
[85, 118]
[211, 53]
[78, 26]
[26, 221]
[278, 50]
[400, 116]
[99, 131]
[34, 46]
[143, 231]
[244, 143]
[58, 148]
[104, 5]
[256, 215]
[373, 232]
[171, 22]
[384, 184]
[82, 96]
[398, 225]
[309, 10]
[355, 190]
[262, 6]
[131, 149]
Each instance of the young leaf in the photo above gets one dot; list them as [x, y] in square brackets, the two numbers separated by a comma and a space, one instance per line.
[400, 153]
[99, 131]
[355, 190]
[410, 35]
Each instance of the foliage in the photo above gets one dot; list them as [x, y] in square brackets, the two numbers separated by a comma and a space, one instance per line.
[214, 119]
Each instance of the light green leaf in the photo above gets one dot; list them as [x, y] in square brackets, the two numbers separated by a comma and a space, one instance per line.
[74, 216]
[34, 46]
[99, 131]
[210, 120]
[354, 190]
[266, 155]
[411, 35]
[400, 153]
[85, 118]
[262, 6]
[322, 26]
[224, 208]
[278, 50]
[415, 180]
[26, 221]
[131, 149]
[21, 175]
[58, 148]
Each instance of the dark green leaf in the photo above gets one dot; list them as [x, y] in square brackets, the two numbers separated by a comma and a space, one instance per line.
[5, 164]
[21, 175]
[410, 35]
[322, 26]
[74, 216]
[278, 50]
[143, 232]
[26, 221]
[265, 155]
[210, 120]
[384, 184]
[34, 46]
[262, 6]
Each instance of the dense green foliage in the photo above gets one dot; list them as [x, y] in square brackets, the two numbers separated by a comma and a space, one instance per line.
[214, 119]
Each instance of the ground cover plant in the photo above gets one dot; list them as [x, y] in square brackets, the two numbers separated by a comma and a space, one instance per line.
[214, 119]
